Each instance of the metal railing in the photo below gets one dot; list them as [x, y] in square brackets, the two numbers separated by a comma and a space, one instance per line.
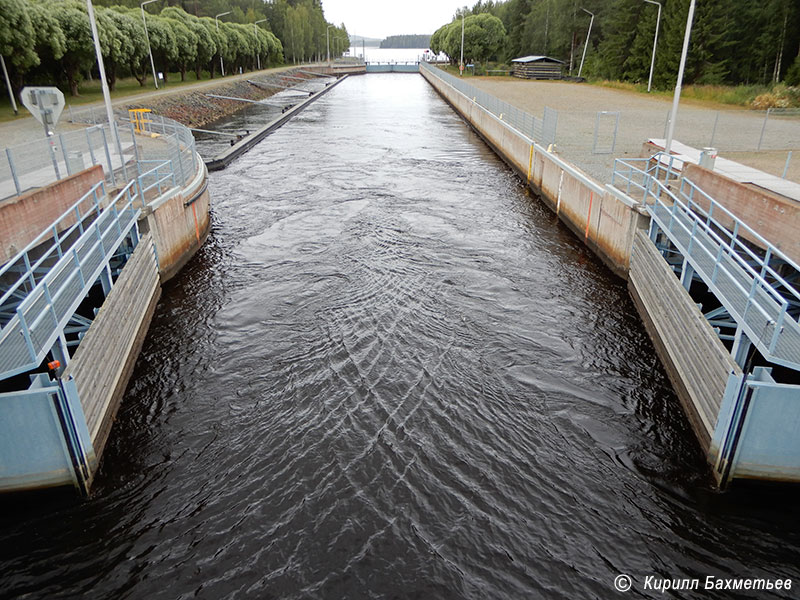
[32, 262]
[48, 159]
[39, 318]
[753, 292]
[541, 130]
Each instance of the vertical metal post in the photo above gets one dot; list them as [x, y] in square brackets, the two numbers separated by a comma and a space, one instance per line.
[785, 167]
[108, 157]
[616, 129]
[714, 131]
[677, 96]
[19, 190]
[64, 152]
[89, 143]
[8, 85]
[763, 129]
[135, 148]
[53, 156]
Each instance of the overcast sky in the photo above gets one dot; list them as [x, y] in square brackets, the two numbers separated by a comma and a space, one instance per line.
[381, 18]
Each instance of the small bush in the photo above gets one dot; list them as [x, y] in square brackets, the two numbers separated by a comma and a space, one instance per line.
[782, 96]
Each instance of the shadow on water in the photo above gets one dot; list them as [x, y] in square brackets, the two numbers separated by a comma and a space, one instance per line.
[391, 373]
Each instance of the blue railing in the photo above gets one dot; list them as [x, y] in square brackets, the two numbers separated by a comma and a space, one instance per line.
[753, 292]
[40, 317]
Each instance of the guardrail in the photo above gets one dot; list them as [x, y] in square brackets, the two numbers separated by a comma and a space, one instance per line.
[39, 318]
[71, 224]
[541, 130]
[43, 161]
[756, 295]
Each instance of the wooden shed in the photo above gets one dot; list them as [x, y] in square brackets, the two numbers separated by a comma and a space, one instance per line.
[537, 67]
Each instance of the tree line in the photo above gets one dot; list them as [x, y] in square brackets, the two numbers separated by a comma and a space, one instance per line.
[46, 41]
[406, 41]
[733, 41]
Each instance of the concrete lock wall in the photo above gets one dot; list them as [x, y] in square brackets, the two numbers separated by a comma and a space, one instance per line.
[24, 217]
[179, 224]
[604, 218]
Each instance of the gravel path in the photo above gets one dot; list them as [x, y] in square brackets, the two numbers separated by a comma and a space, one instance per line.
[641, 117]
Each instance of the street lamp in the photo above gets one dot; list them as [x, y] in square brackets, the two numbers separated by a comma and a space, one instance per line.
[677, 97]
[461, 64]
[147, 37]
[586, 45]
[328, 38]
[255, 33]
[8, 85]
[112, 125]
[655, 41]
[216, 20]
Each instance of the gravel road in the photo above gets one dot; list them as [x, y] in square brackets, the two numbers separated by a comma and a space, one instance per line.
[641, 117]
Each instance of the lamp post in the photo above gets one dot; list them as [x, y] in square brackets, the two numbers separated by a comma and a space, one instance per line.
[677, 97]
[328, 38]
[655, 41]
[147, 37]
[255, 33]
[586, 45]
[8, 85]
[461, 64]
[216, 20]
[103, 83]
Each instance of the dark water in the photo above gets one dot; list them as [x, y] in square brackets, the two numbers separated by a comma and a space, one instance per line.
[392, 374]
[254, 116]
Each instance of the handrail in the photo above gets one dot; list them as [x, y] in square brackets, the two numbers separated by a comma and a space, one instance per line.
[711, 233]
[52, 229]
[739, 223]
[55, 296]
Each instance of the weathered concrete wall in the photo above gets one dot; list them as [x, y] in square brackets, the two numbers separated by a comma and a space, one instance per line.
[605, 219]
[697, 363]
[179, 224]
[775, 218]
[24, 217]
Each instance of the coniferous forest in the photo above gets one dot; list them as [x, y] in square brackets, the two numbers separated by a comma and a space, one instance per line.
[733, 41]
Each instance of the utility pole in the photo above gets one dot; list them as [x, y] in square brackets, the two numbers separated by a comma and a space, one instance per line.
[216, 20]
[586, 45]
[255, 33]
[677, 97]
[655, 41]
[461, 64]
[147, 37]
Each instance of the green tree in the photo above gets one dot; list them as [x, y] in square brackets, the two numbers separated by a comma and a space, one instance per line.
[79, 53]
[17, 35]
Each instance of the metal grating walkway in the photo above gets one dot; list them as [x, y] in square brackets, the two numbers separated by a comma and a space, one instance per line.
[39, 320]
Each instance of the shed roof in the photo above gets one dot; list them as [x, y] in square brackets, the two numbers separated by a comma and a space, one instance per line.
[528, 59]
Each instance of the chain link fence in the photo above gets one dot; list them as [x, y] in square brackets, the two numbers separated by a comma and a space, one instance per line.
[541, 130]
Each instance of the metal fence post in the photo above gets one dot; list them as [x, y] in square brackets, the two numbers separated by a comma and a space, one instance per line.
[135, 148]
[19, 190]
[89, 144]
[64, 152]
[785, 167]
[714, 130]
[108, 157]
[763, 129]
[51, 145]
